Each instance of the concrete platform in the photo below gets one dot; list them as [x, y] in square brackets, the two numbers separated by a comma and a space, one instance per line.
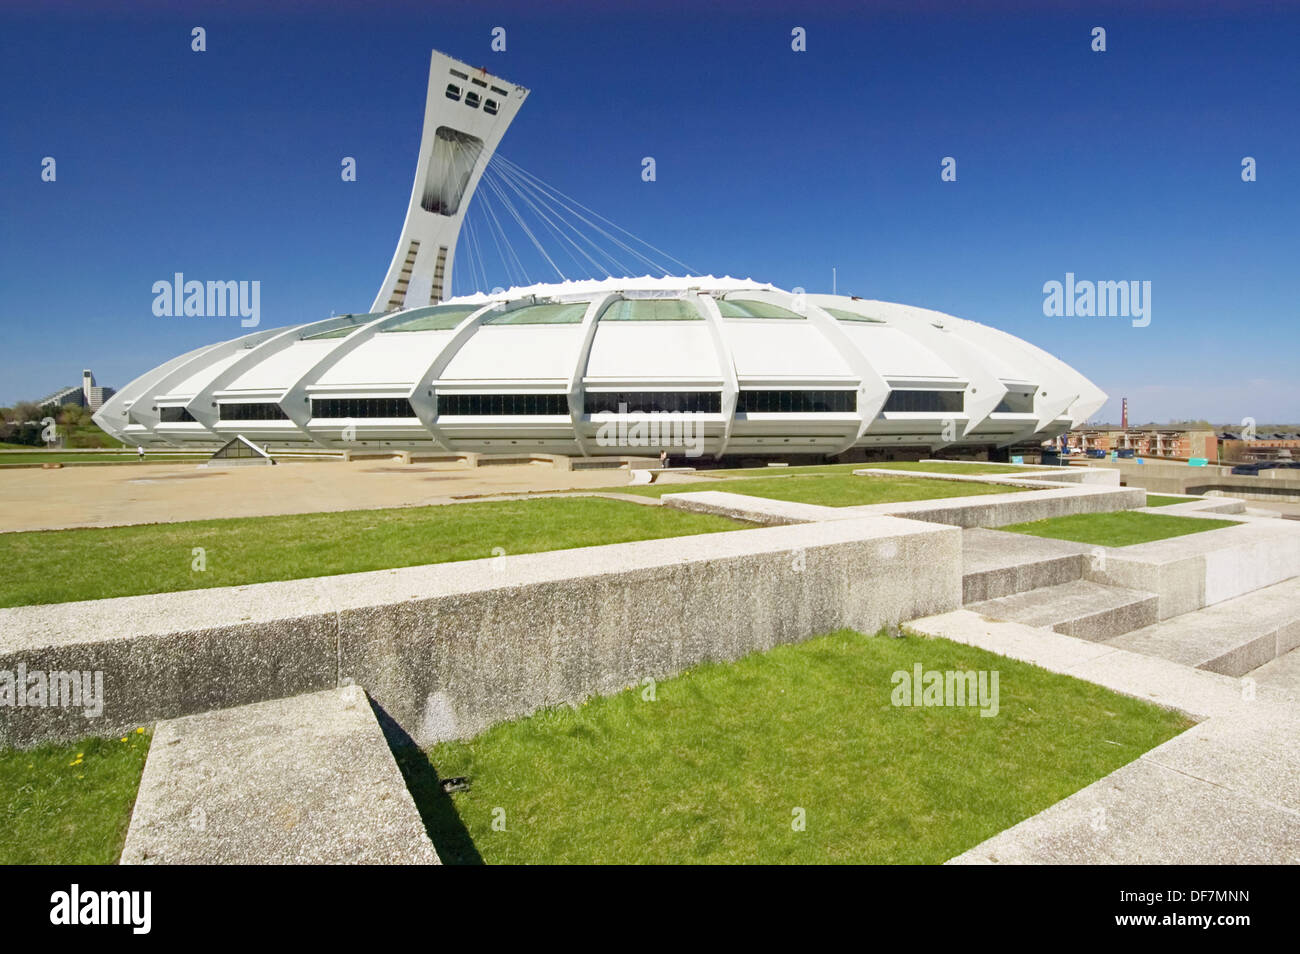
[304, 780]
[996, 564]
[116, 494]
[1077, 608]
[1232, 637]
[1147, 814]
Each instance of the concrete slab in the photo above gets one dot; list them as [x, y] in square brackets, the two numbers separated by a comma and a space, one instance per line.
[1076, 608]
[304, 780]
[1250, 750]
[1146, 813]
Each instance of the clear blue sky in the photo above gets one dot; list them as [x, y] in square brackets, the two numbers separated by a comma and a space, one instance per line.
[771, 164]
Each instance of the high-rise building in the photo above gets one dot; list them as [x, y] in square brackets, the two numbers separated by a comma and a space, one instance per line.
[87, 394]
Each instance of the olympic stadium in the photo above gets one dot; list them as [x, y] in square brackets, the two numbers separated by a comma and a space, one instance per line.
[750, 369]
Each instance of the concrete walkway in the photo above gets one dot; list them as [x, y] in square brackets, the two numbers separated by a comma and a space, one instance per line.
[1226, 791]
[304, 780]
[117, 495]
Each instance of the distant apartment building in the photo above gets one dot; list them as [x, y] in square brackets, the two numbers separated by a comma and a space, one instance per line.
[1149, 441]
[1262, 447]
[88, 394]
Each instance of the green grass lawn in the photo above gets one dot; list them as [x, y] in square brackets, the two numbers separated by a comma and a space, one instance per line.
[935, 467]
[951, 467]
[69, 804]
[1121, 529]
[56, 566]
[833, 490]
[715, 768]
[1162, 500]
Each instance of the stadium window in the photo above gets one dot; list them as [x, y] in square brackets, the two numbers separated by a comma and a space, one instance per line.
[251, 412]
[503, 405]
[797, 402]
[925, 402]
[646, 402]
[490, 107]
[345, 408]
[175, 415]
[453, 92]
[1013, 403]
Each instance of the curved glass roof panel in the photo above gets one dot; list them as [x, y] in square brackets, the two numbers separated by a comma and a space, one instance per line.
[353, 323]
[434, 318]
[651, 309]
[843, 315]
[746, 308]
[569, 313]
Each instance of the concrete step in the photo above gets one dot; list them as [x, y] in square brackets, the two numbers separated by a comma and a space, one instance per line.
[1232, 637]
[304, 780]
[1281, 673]
[1078, 608]
[996, 564]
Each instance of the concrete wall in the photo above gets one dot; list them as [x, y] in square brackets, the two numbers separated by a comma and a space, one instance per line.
[1172, 478]
[989, 510]
[1190, 572]
[449, 649]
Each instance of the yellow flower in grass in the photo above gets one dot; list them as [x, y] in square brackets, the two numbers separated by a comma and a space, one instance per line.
[140, 731]
[123, 738]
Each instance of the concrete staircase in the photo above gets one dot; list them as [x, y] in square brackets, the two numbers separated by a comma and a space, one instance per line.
[1039, 582]
[1044, 583]
[1232, 637]
[1076, 608]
